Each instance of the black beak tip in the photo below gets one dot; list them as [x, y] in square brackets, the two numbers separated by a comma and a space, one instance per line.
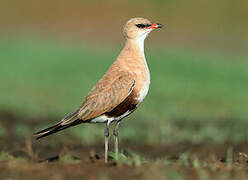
[159, 25]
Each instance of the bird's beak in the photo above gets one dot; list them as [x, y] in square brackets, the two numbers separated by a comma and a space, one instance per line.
[155, 26]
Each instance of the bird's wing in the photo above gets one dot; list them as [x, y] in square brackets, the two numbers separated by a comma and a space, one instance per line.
[108, 93]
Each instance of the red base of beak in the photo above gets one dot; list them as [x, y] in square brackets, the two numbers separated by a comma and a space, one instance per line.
[155, 26]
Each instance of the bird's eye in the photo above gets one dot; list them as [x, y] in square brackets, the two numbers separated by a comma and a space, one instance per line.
[142, 25]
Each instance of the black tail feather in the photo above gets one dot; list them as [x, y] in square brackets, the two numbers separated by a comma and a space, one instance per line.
[47, 129]
[56, 128]
[68, 121]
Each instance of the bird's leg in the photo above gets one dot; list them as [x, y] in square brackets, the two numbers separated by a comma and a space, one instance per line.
[106, 137]
[115, 133]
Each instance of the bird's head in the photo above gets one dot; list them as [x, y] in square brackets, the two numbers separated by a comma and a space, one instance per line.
[137, 28]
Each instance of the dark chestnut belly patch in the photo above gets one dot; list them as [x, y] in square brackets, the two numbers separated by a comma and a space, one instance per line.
[129, 104]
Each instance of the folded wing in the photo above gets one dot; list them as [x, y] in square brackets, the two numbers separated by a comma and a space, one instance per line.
[108, 93]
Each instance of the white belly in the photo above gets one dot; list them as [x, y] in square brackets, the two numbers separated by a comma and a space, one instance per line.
[104, 118]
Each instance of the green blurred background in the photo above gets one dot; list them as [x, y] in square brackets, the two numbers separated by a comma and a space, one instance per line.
[53, 52]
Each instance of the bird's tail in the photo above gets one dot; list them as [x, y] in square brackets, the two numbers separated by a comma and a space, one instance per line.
[68, 121]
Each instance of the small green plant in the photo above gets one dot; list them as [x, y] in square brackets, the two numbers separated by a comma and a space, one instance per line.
[67, 158]
[4, 156]
[132, 159]
[196, 163]
[229, 157]
[184, 158]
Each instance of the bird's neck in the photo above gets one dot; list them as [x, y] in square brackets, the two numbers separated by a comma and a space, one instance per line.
[132, 57]
[136, 46]
[133, 51]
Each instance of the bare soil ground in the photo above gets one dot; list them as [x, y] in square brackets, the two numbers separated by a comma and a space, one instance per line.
[22, 158]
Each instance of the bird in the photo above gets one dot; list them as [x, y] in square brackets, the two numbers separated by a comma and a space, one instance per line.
[121, 89]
